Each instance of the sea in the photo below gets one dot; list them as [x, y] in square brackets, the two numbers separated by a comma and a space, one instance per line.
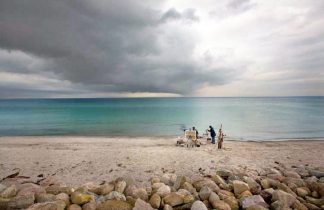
[242, 118]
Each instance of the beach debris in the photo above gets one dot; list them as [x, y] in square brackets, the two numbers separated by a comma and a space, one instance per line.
[297, 187]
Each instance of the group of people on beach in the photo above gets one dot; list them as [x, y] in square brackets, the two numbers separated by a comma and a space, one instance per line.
[212, 134]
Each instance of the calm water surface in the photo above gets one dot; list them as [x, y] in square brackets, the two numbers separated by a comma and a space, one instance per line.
[242, 118]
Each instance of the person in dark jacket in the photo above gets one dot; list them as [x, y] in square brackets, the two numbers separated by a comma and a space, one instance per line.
[194, 129]
[212, 134]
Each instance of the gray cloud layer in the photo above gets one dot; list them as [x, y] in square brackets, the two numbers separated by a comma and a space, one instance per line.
[62, 47]
[103, 45]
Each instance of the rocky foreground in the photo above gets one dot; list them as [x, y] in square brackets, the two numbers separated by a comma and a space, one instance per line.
[274, 188]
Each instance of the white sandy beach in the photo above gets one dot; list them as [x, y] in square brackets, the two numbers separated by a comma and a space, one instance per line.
[75, 160]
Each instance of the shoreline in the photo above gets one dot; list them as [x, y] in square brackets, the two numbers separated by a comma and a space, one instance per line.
[162, 137]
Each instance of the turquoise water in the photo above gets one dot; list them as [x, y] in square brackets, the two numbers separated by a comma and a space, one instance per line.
[242, 118]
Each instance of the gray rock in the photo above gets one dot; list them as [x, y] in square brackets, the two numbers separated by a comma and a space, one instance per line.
[249, 201]
[2, 187]
[142, 205]
[255, 188]
[155, 201]
[74, 207]
[213, 197]
[21, 202]
[204, 193]
[45, 197]
[198, 205]
[284, 198]
[240, 187]
[53, 205]
[316, 173]
[163, 190]
[9, 192]
[120, 186]
[173, 199]
[114, 195]
[89, 206]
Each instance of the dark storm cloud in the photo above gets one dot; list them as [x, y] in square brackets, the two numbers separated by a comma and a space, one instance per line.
[173, 14]
[101, 44]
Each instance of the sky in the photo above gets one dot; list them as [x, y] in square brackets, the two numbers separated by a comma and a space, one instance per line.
[129, 48]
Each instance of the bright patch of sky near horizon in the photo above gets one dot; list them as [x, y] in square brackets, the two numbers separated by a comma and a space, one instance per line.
[170, 48]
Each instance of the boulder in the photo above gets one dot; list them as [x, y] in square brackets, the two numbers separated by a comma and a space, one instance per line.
[157, 185]
[198, 205]
[142, 205]
[232, 202]
[105, 189]
[206, 182]
[140, 193]
[54, 189]
[2, 187]
[244, 194]
[114, 195]
[169, 179]
[179, 181]
[173, 199]
[267, 194]
[302, 191]
[311, 183]
[74, 207]
[4, 202]
[320, 188]
[187, 186]
[223, 194]
[120, 186]
[204, 193]
[114, 205]
[317, 202]
[316, 173]
[9, 192]
[240, 187]
[63, 197]
[53, 205]
[130, 190]
[220, 182]
[167, 207]
[224, 173]
[155, 180]
[21, 202]
[188, 199]
[220, 205]
[265, 183]
[45, 197]
[284, 198]
[255, 188]
[80, 198]
[292, 174]
[299, 206]
[256, 207]
[213, 197]
[312, 206]
[163, 190]
[89, 206]
[249, 201]
[155, 201]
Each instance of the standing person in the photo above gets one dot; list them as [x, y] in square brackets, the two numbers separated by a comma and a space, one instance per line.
[194, 129]
[220, 138]
[212, 134]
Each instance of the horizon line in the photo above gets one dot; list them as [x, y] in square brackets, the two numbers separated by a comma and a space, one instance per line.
[142, 97]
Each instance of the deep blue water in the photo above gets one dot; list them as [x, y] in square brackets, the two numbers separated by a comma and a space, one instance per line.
[242, 118]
